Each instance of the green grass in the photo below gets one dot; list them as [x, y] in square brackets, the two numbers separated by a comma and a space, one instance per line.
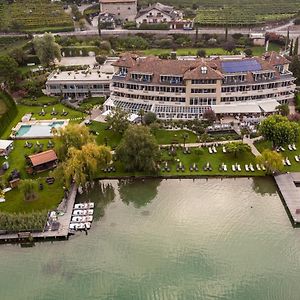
[295, 167]
[40, 101]
[3, 107]
[189, 159]
[48, 199]
[8, 44]
[24, 109]
[92, 101]
[164, 136]
[112, 138]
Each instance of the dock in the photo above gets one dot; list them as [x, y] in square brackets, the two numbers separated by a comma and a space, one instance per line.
[62, 231]
[289, 188]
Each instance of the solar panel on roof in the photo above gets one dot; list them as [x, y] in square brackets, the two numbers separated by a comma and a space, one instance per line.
[241, 66]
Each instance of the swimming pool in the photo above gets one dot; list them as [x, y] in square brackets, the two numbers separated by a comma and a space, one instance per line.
[37, 129]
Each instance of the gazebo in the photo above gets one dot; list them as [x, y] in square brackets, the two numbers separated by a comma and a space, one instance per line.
[42, 161]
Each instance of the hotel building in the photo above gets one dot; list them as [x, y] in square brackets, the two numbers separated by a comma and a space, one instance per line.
[184, 89]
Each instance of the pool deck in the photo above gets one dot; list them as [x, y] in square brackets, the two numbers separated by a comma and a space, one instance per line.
[290, 193]
[64, 223]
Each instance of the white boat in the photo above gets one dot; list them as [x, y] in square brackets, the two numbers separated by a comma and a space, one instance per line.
[78, 219]
[80, 212]
[87, 225]
[80, 226]
[85, 205]
[79, 206]
[90, 211]
[73, 226]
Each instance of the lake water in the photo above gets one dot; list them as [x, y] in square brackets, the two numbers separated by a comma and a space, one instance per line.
[166, 239]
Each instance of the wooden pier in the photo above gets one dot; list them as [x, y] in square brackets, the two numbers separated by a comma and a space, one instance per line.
[64, 222]
[289, 187]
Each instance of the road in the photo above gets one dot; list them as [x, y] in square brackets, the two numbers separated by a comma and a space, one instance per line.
[282, 30]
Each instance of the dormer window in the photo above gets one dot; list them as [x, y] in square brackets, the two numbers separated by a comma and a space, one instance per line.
[203, 70]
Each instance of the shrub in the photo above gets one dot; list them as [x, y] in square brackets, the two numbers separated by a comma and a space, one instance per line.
[158, 26]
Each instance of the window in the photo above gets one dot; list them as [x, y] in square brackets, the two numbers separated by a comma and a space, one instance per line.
[129, 8]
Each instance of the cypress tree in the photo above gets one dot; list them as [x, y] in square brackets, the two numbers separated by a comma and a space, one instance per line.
[296, 46]
[291, 48]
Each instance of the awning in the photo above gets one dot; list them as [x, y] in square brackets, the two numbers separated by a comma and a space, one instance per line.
[236, 108]
[268, 106]
[4, 144]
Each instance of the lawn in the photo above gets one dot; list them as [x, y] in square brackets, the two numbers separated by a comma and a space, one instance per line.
[2, 107]
[295, 167]
[91, 102]
[164, 136]
[209, 51]
[48, 199]
[24, 109]
[105, 134]
[187, 160]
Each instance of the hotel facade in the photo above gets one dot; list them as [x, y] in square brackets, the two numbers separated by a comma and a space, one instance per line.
[185, 89]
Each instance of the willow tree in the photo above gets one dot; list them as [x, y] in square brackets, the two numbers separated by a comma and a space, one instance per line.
[82, 164]
[138, 150]
[72, 136]
[272, 160]
[46, 49]
[29, 188]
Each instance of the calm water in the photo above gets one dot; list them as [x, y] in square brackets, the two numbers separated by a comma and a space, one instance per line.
[215, 239]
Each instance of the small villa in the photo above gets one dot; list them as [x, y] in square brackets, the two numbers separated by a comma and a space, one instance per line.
[5, 147]
[42, 161]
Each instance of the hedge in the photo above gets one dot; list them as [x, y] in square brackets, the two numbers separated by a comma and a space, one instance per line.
[11, 112]
[157, 26]
[75, 51]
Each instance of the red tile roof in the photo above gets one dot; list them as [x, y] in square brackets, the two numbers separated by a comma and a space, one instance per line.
[42, 158]
[275, 59]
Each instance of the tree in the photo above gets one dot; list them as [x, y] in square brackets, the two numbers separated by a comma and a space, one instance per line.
[29, 189]
[229, 46]
[295, 68]
[279, 130]
[8, 69]
[210, 116]
[72, 136]
[295, 52]
[150, 117]
[294, 117]
[201, 53]
[248, 52]
[237, 147]
[291, 48]
[271, 160]
[82, 164]
[138, 150]
[283, 109]
[46, 49]
[185, 137]
[19, 55]
[118, 120]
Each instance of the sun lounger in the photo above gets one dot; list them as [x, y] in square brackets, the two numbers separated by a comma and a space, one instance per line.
[288, 162]
[282, 149]
[247, 168]
[258, 167]
[290, 147]
[251, 168]
[224, 149]
[233, 168]
[225, 168]
[210, 150]
[263, 167]
[284, 163]
[297, 158]
[214, 149]
[294, 147]
[238, 168]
